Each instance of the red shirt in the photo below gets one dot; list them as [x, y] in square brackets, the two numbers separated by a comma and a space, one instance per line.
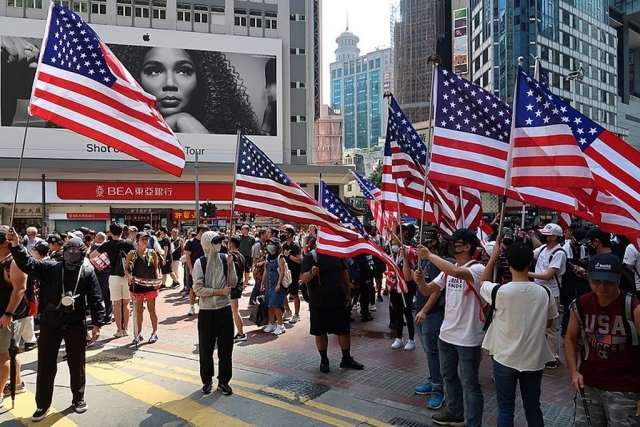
[609, 361]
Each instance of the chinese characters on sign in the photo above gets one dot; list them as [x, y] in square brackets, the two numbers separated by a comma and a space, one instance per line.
[137, 191]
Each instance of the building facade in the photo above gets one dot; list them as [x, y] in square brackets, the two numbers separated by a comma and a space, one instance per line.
[358, 84]
[328, 137]
[270, 56]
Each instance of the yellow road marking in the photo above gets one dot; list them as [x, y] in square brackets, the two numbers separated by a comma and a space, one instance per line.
[26, 406]
[154, 395]
[163, 368]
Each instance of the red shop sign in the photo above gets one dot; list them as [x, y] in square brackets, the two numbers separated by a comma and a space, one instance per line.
[189, 214]
[89, 215]
[135, 191]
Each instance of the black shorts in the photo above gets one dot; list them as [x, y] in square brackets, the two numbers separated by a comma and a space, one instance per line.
[329, 320]
[293, 288]
[248, 261]
[166, 268]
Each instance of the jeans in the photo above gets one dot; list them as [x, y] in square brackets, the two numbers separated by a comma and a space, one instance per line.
[467, 359]
[530, 383]
[429, 332]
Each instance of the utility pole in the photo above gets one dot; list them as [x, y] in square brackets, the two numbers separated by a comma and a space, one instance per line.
[197, 192]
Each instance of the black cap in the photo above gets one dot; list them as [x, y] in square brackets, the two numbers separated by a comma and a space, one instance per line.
[579, 234]
[596, 233]
[274, 240]
[574, 226]
[3, 233]
[75, 242]
[54, 238]
[465, 235]
[605, 267]
[141, 235]
[430, 233]
[289, 230]
[41, 247]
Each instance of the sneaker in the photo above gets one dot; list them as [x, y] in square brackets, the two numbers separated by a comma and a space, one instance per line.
[447, 419]
[269, 328]
[410, 346]
[39, 414]
[385, 292]
[137, 340]
[279, 330]
[126, 332]
[397, 343]
[352, 328]
[192, 312]
[551, 365]
[153, 338]
[287, 315]
[119, 334]
[28, 346]
[20, 388]
[294, 319]
[368, 318]
[175, 285]
[324, 366]
[80, 407]
[225, 389]
[380, 298]
[423, 389]
[436, 401]
[206, 389]
[240, 337]
[350, 363]
[373, 307]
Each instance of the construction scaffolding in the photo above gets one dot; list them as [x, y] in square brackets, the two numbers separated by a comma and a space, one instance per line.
[418, 29]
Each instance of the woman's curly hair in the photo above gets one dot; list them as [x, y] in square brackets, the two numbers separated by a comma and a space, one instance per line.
[219, 100]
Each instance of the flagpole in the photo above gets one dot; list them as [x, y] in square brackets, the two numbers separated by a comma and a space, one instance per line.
[15, 194]
[464, 221]
[433, 60]
[235, 168]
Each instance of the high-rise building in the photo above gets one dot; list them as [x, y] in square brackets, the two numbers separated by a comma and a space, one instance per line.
[358, 84]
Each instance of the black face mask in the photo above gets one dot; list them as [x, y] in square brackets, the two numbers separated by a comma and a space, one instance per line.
[72, 260]
[592, 250]
[508, 241]
[453, 252]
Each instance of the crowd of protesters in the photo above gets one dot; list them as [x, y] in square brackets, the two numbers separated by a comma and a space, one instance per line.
[541, 285]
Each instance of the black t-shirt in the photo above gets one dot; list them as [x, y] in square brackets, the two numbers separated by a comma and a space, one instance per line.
[246, 243]
[113, 249]
[165, 244]
[178, 250]
[195, 247]
[293, 266]
[327, 288]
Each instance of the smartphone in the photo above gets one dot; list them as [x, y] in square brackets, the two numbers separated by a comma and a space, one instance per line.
[634, 420]
[572, 265]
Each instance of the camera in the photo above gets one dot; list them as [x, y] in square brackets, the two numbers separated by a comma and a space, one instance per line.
[67, 302]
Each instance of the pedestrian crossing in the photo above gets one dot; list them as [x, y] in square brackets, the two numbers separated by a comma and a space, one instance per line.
[172, 388]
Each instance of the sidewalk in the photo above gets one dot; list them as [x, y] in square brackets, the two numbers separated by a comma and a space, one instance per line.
[390, 375]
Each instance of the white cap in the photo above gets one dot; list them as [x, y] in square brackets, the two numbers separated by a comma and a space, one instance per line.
[551, 230]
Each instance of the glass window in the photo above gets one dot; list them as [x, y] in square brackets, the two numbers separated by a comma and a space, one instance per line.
[200, 14]
[184, 12]
[142, 9]
[271, 20]
[302, 51]
[159, 10]
[124, 8]
[240, 17]
[34, 4]
[19, 3]
[255, 19]
[98, 8]
[80, 7]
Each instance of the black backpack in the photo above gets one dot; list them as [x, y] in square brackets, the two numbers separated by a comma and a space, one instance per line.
[355, 275]
[237, 261]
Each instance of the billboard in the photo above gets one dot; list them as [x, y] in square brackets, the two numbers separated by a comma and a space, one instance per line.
[460, 42]
[202, 91]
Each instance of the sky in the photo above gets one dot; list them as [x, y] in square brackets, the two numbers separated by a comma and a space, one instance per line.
[368, 19]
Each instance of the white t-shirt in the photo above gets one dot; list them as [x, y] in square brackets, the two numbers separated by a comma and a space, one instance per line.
[559, 259]
[516, 337]
[462, 311]
[632, 257]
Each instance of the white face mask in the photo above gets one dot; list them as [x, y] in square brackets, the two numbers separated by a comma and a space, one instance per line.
[215, 247]
[395, 249]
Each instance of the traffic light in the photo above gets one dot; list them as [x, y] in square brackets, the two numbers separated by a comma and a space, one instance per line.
[204, 210]
[252, 218]
[535, 211]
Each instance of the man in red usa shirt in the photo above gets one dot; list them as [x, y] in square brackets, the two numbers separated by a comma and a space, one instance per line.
[606, 322]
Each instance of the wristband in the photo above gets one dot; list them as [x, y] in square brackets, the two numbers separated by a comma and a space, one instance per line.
[8, 313]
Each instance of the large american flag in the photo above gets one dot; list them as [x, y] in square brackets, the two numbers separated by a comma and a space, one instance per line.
[470, 134]
[81, 86]
[262, 188]
[383, 219]
[351, 240]
[544, 146]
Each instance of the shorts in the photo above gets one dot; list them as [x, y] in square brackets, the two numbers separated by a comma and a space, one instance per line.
[175, 265]
[166, 268]
[146, 295]
[293, 288]
[118, 288]
[5, 339]
[329, 320]
[248, 262]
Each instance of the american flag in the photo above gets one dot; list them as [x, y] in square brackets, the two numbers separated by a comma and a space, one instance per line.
[544, 146]
[81, 86]
[383, 219]
[470, 134]
[351, 240]
[262, 188]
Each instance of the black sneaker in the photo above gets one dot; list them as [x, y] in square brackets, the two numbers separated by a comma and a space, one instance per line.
[551, 365]
[206, 389]
[350, 363]
[380, 298]
[324, 366]
[80, 407]
[368, 318]
[225, 389]
[447, 419]
[240, 337]
[39, 414]
[175, 285]
[28, 346]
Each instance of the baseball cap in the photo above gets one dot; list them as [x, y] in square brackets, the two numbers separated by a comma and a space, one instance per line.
[146, 227]
[430, 234]
[289, 230]
[506, 230]
[274, 240]
[3, 233]
[605, 266]
[551, 229]
[54, 238]
[465, 235]
[595, 233]
[41, 247]
[142, 235]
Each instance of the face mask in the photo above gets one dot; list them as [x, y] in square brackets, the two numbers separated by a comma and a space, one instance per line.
[215, 247]
[543, 238]
[592, 250]
[453, 252]
[271, 248]
[72, 260]
[395, 249]
[508, 241]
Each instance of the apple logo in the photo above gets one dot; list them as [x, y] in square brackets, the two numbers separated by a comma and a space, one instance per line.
[146, 37]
